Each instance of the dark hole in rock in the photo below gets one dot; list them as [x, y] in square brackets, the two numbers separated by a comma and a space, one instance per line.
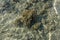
[33, 21]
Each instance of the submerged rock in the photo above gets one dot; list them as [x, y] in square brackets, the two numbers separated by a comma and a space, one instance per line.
[28, 20]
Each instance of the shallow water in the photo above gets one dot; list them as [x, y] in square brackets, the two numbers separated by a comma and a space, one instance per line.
[10, 11]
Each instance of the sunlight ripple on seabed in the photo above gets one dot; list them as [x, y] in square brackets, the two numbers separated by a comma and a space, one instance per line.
[54, 6]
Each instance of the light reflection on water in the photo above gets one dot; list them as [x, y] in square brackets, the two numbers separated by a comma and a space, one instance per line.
[58, 6]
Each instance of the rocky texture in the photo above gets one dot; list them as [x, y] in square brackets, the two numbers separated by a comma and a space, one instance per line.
[28, 20]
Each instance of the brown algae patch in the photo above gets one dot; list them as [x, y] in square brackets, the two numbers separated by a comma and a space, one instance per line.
[28, 17]
[31, 19]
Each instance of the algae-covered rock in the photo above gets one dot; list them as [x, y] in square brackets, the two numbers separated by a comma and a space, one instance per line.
[28, 20]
